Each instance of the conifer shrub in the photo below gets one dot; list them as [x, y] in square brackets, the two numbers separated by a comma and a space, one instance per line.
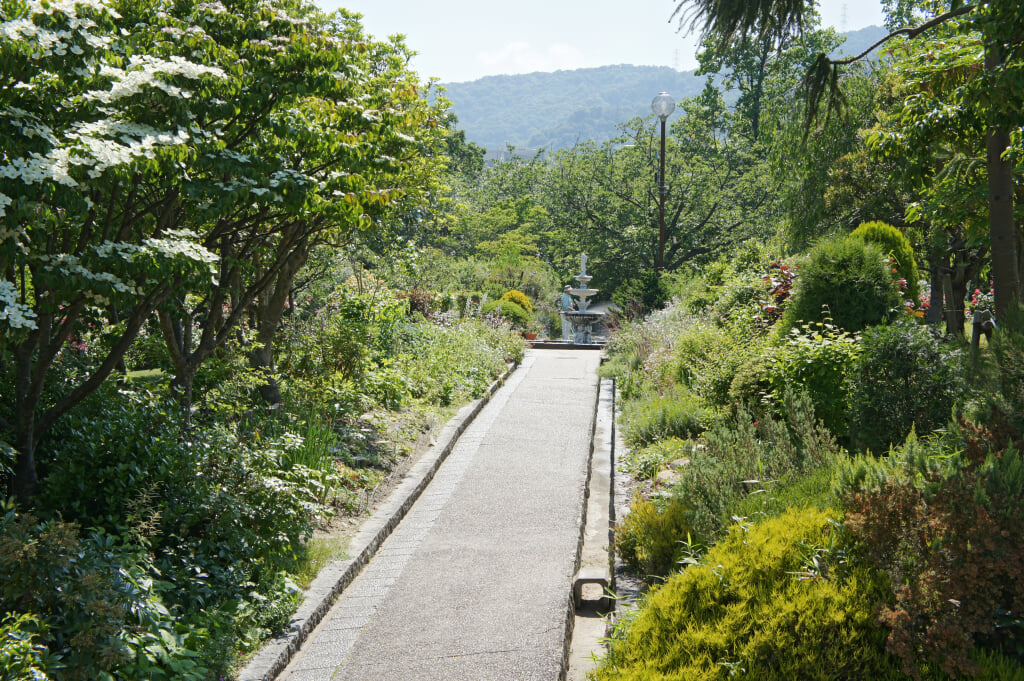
[509, 311]
[520, 299]
[649, 539]
[905, 377]
[743, 456]
[846, 281]
[894, 244]
[774, 601]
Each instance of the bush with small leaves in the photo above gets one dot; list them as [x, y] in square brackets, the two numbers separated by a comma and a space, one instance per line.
[774, 601]
[847, 281]
[895, 245]
[905, 377]
[648, 538]
[681, 414]
[509, 311]
[520, 299]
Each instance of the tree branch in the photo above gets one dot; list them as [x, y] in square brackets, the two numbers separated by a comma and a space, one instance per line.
[909, 32]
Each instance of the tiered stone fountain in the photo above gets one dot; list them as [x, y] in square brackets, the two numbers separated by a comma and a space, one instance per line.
[581, 319]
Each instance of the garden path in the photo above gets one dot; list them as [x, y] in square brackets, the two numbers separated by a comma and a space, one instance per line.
[474, 583]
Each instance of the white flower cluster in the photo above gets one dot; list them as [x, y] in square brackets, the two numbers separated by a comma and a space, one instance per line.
[4, 202]
[37, 168]
[48, 42]
[16, 315]
[120, 249]
[70, 265]
[213, 7]
[183, 243]
[130, 140]
[143, 70]
[28, 124]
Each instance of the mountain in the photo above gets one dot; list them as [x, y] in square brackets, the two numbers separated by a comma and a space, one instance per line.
[557, 110]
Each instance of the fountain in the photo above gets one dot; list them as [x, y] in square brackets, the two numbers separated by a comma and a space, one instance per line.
[582, 320]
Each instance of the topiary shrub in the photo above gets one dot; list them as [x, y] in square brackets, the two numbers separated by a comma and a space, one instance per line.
[773, 601]
[649, 538]
[509, 311]
[680, 414]
[894, 244]
[904, 378]
[519, 299]
[847, 281]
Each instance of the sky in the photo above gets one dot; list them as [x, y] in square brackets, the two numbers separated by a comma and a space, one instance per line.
[461, 40]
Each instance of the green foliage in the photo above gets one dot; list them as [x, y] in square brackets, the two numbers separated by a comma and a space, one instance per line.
[221, 516]
[894, 244]
[773, 601]
[100, 600]
[680, 414]
[905, 378]
[945, 526]
[509, 311]
[648, 538]
[23, 652]
[641, 293]
[742, 457]
[706, 357]
[847, 281]
[519, 299]
[644, 463]
[449, 364]
[817, 358]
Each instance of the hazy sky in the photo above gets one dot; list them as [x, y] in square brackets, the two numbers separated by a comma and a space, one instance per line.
[459, 40]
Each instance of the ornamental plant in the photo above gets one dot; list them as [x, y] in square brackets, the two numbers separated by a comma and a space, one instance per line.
[519, 299]
[897, 247]
[847, 281]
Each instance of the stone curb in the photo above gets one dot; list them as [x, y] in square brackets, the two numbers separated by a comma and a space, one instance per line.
[570, 614]
[275, 655]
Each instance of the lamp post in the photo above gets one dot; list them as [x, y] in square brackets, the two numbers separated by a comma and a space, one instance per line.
[663, 105]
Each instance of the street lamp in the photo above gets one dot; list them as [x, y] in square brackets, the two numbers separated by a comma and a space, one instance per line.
[663, 105]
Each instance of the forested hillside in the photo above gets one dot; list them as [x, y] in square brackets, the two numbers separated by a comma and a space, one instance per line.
[557, 110]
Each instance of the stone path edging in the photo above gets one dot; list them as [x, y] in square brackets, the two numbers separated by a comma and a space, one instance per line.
[275, 655]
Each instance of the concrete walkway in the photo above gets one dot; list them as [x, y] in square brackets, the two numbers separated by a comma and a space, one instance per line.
[475, 582]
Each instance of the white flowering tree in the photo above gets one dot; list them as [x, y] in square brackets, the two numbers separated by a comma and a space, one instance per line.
[314, 141]
[81, 112]
[179, 152]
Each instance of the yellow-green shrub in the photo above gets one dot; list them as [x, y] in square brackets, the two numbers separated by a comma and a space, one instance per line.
[648, 539]
[520, 299]
[773, 600]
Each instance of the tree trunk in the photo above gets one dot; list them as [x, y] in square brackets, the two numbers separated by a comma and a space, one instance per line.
[1002, 226]
[269, 313]
[935, 295]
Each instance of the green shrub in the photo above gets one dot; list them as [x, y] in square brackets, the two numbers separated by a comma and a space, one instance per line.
[447, 364]
[221, 516]
[942, 517]
[648, 538]
[771, 602]
[23, 652]
[509, 311]
[705, 358]
[642, 293]
[847, 281]
[742, 457]
[681, 414]
[904, 378]
[519, 299]
[817, 358]
[894, 244]
[100, 600]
